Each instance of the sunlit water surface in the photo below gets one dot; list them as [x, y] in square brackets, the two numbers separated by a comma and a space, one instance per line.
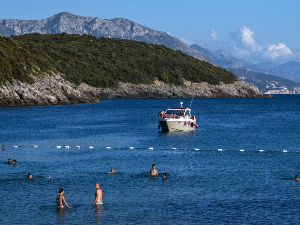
[205, 186]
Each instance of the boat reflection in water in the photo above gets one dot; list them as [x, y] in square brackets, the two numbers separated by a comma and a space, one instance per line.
[177, 119]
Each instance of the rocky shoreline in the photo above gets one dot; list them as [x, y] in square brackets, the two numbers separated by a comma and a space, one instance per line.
[54, 90]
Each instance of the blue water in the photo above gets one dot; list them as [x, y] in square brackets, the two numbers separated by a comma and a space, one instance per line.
[203, 187]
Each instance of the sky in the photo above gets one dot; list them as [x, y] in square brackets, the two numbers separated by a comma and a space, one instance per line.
[254, 30]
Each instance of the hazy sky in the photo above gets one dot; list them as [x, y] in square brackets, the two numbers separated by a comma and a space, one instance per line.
[259, 30]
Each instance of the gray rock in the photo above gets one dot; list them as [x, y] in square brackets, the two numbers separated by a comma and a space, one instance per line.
[54, 90]
[239, 89]
[47, 90]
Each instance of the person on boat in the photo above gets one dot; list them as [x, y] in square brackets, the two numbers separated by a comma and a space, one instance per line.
[153, 171]
[163, 114]
[60, 199]
[98, 195]
[297, 178]
[164, 176]
[181, 112]
[112, 171]
[172, 115]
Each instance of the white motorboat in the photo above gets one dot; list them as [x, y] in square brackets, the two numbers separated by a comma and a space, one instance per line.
[177, 119]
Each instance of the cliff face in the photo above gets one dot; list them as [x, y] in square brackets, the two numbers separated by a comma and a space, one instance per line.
[239, 89]
[49, 90]
[54, 90]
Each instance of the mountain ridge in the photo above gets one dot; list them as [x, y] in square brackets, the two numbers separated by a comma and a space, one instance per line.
[278, 74]
[69, 23]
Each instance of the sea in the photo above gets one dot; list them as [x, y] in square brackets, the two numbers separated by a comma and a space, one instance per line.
[238, 167]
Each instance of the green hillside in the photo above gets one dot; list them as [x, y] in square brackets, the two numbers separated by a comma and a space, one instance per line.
[101, 62]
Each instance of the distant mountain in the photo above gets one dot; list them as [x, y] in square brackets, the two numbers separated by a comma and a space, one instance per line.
[221, 58]
[289, 70]
[116, 28]
[291, 66]
[268, 83]
[272, 69]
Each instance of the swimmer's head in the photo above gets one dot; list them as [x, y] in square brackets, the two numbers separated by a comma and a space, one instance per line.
[9, 160]
[29, 176]
[14, 161]
[61, 190]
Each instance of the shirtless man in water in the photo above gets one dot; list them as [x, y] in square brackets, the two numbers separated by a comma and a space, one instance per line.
[60, 199]
[98, 195]
[153, 171]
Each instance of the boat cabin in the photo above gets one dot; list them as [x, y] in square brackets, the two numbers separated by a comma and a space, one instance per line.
[178, 112]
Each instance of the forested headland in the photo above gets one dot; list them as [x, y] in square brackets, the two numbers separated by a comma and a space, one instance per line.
[101, 62]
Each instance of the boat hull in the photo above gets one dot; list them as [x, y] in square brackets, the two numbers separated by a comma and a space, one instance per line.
[174, 125]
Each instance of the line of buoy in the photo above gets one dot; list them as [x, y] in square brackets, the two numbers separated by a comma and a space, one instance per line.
[150, 148]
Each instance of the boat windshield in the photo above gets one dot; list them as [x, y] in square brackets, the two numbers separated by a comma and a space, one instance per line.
[174, 111]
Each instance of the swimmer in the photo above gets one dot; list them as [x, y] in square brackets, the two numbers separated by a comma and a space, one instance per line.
[3, 148]
[14, 161]
[98, 195]
[297, 178]
[9, 161]
[112, 171]
[60, 199]
[153, 171]
[164, 176]
[29, 176]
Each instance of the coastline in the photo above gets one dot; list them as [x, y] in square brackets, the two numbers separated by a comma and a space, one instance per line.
[55, 90]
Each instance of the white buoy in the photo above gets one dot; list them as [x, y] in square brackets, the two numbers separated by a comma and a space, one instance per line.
[242, 150]
[197, 149]
[108, 147]
[220, 150]
[131, 148]
[77, 146]
[58, 146]
[16, 146]
[150, 148]
[91, 147]
[284, 150]
[261, 150]
[67, 146]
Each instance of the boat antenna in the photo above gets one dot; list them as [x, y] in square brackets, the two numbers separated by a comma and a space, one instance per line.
[191, 102]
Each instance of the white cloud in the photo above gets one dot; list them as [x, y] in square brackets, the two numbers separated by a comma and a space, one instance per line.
[276, 51]
[248, 49]
[213, 34]
[243, 35]
[242, 45]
